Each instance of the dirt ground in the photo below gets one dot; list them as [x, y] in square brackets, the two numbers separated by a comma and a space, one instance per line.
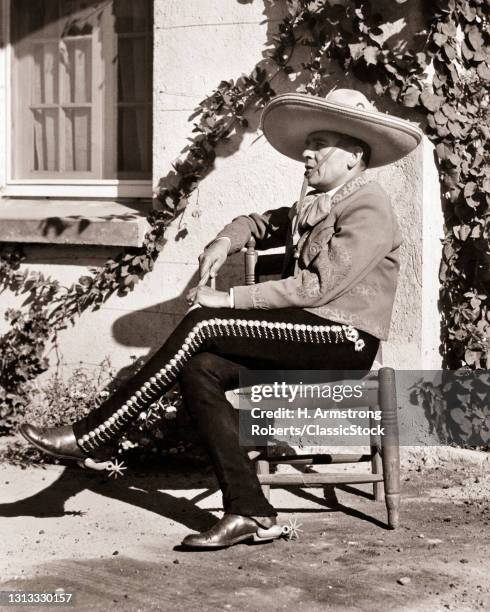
[115, 544]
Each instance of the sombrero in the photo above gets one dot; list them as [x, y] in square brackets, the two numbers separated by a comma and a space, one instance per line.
[289, 118]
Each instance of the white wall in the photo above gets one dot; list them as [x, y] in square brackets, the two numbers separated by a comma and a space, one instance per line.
[198, 44]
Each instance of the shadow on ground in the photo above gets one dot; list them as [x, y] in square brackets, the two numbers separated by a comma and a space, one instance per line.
[152, 492]
[112, 543]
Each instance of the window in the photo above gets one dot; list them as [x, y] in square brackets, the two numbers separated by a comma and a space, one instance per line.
[81, 92]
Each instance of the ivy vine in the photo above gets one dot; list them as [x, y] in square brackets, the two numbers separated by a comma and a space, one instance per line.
[453, 48]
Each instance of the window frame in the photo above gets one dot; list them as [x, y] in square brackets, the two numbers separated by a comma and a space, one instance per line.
[51, 187]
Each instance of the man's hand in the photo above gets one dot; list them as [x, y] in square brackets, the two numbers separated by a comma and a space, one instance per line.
[211, 260]
[205, 296]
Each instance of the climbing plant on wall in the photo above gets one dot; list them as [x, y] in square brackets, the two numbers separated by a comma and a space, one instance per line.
[443, 72]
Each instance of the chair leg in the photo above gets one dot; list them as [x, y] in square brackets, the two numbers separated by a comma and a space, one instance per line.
[390, 445]
[377, 468]
[262, 467]
[376, 464]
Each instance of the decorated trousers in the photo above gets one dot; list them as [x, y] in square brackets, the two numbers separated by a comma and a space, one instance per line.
[204, 354]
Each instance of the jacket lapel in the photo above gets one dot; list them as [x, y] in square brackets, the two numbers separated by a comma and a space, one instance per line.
[313, 240]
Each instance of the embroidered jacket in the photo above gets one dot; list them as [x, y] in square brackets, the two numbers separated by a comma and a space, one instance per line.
[348, 262]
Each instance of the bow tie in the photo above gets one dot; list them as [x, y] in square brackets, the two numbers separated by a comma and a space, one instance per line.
[315, 208]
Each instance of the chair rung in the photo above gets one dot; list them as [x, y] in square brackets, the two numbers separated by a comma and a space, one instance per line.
[320, 459]
[317, 479]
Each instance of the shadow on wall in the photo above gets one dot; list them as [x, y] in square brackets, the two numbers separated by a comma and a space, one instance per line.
[132, 329]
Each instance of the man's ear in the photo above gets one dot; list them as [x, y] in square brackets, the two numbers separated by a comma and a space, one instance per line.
[354, 158]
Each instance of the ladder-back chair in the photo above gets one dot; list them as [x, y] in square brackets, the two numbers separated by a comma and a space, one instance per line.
[380, 391]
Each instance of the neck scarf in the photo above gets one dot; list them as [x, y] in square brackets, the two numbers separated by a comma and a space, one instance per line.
[315, 207]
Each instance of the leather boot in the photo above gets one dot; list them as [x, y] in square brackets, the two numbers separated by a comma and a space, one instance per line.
[62, 443]
[234, 528]
[57, 441]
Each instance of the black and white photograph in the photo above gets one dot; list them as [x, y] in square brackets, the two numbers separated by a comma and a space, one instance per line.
[245, 305]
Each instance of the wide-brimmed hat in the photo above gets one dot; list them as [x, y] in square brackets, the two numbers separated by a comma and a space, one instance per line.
[289, 118]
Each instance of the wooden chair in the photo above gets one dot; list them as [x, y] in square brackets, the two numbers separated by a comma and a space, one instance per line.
[380, 391]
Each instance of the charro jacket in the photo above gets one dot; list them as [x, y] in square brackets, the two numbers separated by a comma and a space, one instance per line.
[347, 266]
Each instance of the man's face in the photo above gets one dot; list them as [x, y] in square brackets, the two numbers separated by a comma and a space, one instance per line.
[333, 172]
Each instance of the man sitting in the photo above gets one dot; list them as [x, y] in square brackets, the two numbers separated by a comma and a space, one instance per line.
[329, 310]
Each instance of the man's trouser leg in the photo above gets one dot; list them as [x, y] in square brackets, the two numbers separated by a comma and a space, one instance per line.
[283, 338]
[203, 384]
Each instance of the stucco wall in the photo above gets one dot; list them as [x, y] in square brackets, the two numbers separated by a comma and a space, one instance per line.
[197, 44]
[250, 176]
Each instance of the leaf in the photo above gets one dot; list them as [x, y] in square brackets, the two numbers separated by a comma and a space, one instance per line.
[394, 91]
[483, 71]
[371, 55]
[356, 50]
[293, 7]
[466, 51]
[359, 14]
[411, 97]
[449, 111]
[469, 12]
[430, 100]
[476, 232]
[472, 357]
[482, 55]
[462, 420]
[440, 118]
[458, 415]
[431, 121]
[131, 280]
[454, 129]
[448, 28]
[449, 51]
[462, 231]
[485, 130]
[474, 38]
[469, 189]
[443, 151]
[475, 303]
[439, 39]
